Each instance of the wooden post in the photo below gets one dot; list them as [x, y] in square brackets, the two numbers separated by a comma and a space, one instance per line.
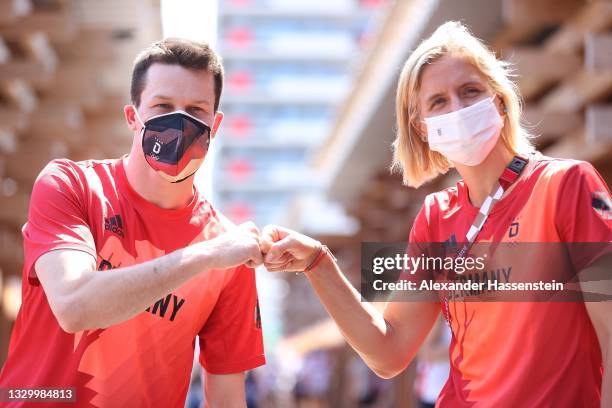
[599, 124]
[598, 52]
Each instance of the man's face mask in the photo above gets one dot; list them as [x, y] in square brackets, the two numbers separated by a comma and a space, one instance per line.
[174, 144]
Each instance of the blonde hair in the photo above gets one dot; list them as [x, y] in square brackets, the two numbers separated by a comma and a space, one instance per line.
[411, 155]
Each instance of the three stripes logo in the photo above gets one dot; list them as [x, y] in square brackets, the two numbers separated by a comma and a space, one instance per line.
[451, 242]
[114, 224]
[450, 245]
[601, 204]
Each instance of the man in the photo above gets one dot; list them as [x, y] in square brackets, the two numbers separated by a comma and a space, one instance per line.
[126, 262]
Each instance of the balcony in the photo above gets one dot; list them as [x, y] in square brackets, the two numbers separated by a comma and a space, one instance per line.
[267, 44]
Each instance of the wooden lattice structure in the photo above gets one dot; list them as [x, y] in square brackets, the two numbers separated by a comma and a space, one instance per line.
[64, 78]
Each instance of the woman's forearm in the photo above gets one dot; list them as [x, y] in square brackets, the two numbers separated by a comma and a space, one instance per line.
[362, 325]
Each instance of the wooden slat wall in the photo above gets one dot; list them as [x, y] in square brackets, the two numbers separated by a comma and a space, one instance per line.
[65, 67]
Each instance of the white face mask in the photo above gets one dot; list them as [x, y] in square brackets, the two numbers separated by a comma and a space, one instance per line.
[467, 135]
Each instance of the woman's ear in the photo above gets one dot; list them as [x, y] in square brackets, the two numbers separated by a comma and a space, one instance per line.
[422, 131]
[501, 105]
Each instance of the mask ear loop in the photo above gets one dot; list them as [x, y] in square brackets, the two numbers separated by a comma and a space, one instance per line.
[424, 137]
[140, 120]
[501, 100]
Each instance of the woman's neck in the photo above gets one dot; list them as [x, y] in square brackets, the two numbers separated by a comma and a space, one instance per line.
[480, 179]
[152, 187]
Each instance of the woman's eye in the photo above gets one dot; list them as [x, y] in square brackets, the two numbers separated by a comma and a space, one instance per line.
[436, 102]
[472, 91]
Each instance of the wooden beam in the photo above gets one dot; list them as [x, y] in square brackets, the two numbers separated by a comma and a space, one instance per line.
[11, 246]
[13, 118]
[60, 26]
[59, 120]
[576, 146]
[535, 62]
[512, 34]
[14, 209]
[31, 157]
[550, 125]
[88, 153]
[525, 19]
[599, 124]
[539, 70]
[12, 10]
[38, 48]
[77, 83]
[12, 266]
[93, 45]
[5, 53]
[539, 12]
[26, 70]
[99, 151]
[108, 130]
[8, 140]
[598, 52]
[579, 90]
[19, 93]
[596, 16]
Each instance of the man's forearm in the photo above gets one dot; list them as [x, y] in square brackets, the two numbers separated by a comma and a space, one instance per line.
[132, 288]
[79, 295]
[606, 384]
[225, 390]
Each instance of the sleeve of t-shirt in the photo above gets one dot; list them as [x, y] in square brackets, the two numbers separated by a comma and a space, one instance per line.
[418, 241]
[420, 227]
[584, 214]
[231, 339]
[57, 218]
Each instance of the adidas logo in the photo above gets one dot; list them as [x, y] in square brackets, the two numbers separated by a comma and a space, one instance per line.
[114, 224]
[451, 242]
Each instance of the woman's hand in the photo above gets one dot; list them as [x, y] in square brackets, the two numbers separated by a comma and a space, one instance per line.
[287, 250]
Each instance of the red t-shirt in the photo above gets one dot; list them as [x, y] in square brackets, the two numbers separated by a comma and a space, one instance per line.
[524, 354]
[145, 361]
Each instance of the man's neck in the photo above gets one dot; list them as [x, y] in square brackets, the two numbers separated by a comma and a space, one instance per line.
[480, 179]
[152, 187]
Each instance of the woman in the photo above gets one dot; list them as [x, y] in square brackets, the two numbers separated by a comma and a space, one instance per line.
[457, 107]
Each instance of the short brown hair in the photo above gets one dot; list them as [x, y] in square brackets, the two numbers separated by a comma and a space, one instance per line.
[176, 51]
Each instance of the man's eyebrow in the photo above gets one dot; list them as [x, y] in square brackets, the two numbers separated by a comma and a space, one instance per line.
[198, 102]
[202, 102]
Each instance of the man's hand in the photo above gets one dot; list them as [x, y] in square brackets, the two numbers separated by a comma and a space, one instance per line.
[238, 246]
[287, 250]
[78, 294]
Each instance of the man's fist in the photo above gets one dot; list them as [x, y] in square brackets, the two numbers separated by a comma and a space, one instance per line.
[238, 246]
[287, 250]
